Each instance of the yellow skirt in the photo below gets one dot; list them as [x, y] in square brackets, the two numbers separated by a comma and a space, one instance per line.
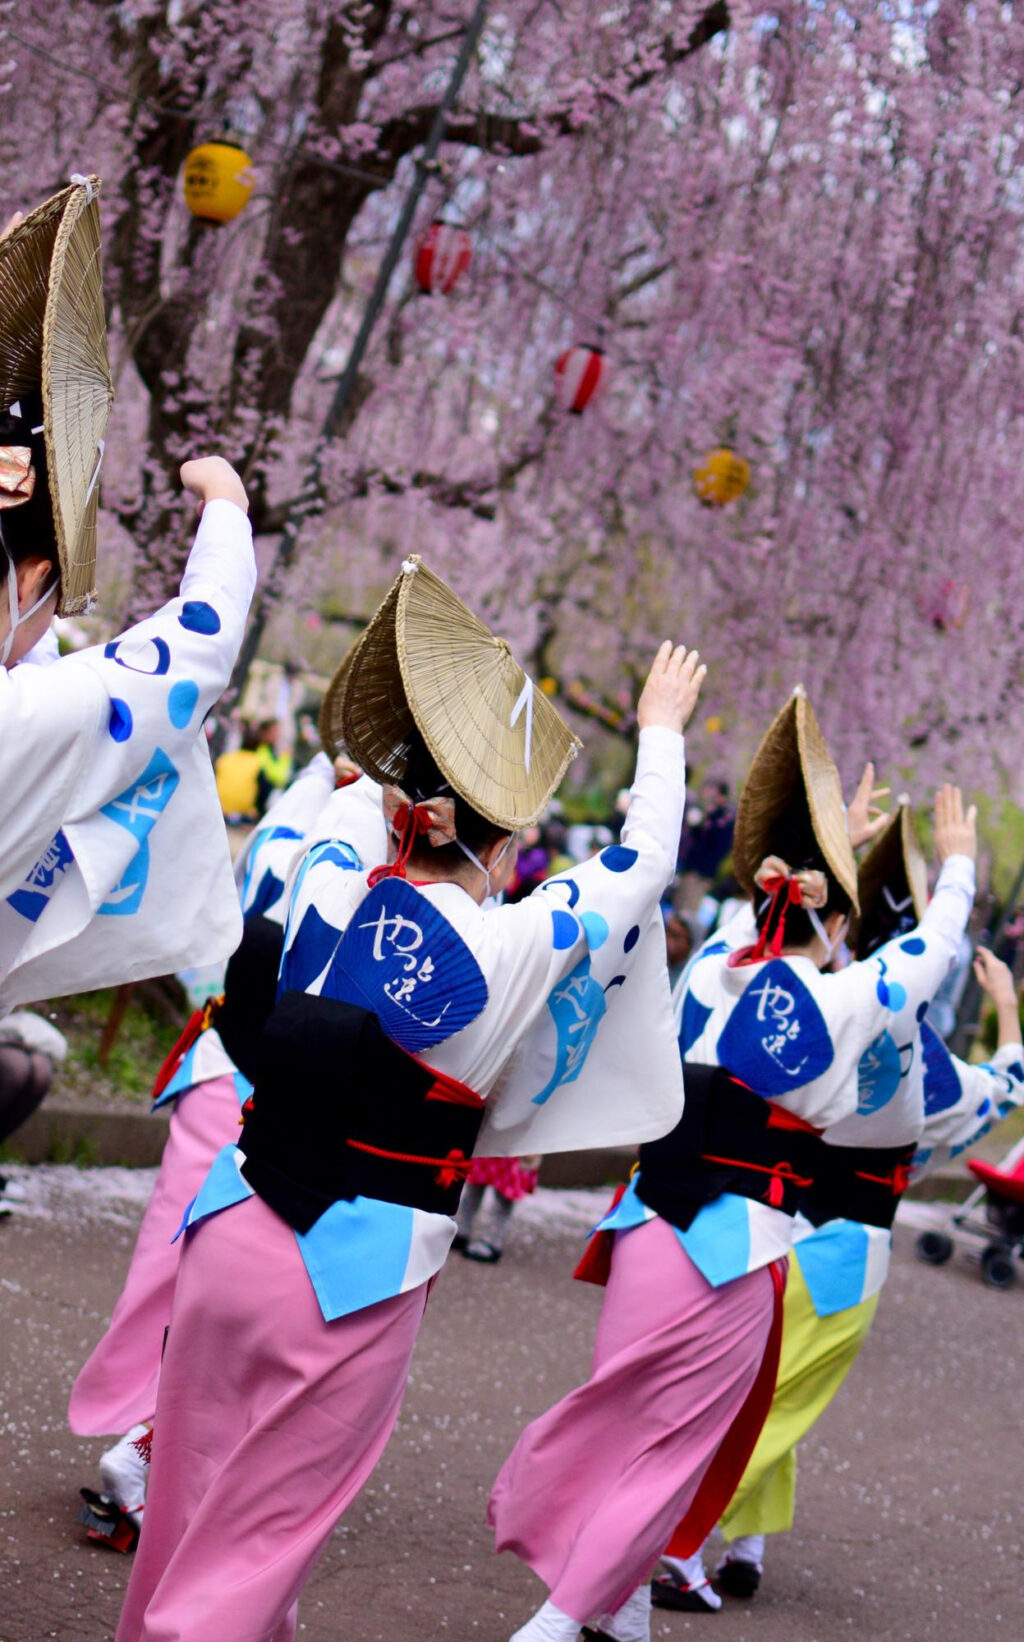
[817, 1354]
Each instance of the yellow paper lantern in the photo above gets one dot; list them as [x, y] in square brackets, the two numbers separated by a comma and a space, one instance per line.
[722, 477]
[218, 181]
[549, 686]
[713, 725]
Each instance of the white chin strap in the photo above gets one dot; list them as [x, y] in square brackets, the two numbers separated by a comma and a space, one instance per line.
[17, 616]
[495, 864]
[822, 933]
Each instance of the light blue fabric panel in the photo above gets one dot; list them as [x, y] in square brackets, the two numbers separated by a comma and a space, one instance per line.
[222, 1188]
[627, 1213]
[834, 1263]
[718, 1240]
[357, 1254]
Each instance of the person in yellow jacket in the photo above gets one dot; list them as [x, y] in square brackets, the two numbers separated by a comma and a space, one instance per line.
[238, 779]
[275, 766]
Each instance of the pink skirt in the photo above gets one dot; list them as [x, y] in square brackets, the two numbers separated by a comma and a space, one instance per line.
[269, 1421]
[593, 1491]
[117, 1387]
[513, 1177]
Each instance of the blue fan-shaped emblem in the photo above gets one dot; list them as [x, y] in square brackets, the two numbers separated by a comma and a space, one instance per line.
[776, 1038]
[402, 959]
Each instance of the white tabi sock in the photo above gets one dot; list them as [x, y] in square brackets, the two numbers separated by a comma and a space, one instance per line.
[689, 1573]
[549, 1624]
[631, 1622]
[748, 1548]
[686, 1570]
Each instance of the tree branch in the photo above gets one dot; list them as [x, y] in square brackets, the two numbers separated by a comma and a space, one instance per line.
[521, 135]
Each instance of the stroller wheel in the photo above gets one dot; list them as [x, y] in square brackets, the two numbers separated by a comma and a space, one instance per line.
[934, 1247]
[997, 1268]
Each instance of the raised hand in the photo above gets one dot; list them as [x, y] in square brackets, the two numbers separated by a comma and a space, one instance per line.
[672, 689]
[955, 832]
[995, 978]
[864, 819]
[211, 479]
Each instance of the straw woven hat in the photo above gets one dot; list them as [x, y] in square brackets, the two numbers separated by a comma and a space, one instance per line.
[427, 663]
[53, 339]
[894, 863]
[792, 760]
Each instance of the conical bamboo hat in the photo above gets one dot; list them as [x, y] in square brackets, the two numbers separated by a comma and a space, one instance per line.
[892, 882]
[427, 663]
[329, 723]
[53, 339]
[792, 760]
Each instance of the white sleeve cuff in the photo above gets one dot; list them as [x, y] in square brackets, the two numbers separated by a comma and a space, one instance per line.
[222, 553]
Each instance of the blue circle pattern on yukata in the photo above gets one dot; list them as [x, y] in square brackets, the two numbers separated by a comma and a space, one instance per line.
[565, 930]
[631, 939]
[181, 702]
[555, 884]
[915, 946]
[617, 858]
[879, 1074]
[120, 721]
[891, 995]
[139, 650]
[596, 929]
[199, 617]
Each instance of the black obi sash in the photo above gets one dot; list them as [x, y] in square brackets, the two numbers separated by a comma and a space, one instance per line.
[862, 1183]
[339, 1111]
[729, 1139]
[250, 992]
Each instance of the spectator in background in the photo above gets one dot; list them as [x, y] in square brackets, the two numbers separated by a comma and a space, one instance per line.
[275, 762]
[532, 865]
[705, 842]
[555, 840]
[238, 779]
[30, 1049]
[679, 944]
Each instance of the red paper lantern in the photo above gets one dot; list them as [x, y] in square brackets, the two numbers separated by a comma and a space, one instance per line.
[443, 255]
[579, 376]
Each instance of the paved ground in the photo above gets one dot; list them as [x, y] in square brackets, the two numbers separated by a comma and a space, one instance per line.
[909, 1513]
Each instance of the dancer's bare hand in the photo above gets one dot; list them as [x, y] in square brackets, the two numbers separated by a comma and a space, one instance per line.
[346, 770]
[11, 224]
[672, 689]
[955, 832]
[864, 819]
[995, 978]
[212, 479]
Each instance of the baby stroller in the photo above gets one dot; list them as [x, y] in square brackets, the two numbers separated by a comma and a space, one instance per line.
[1001, 1191]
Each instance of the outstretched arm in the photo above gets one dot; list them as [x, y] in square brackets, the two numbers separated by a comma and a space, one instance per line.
[913, 967]
[962, 1102]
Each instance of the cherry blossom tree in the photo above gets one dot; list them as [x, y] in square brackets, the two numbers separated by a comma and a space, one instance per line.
[794, 229]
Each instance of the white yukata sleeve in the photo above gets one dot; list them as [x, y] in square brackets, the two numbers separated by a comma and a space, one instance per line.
[914, 966]
[278, 838]
[50, 721]
[142, 882]
[327, 880]
[591, 1070]
[963, 1102]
